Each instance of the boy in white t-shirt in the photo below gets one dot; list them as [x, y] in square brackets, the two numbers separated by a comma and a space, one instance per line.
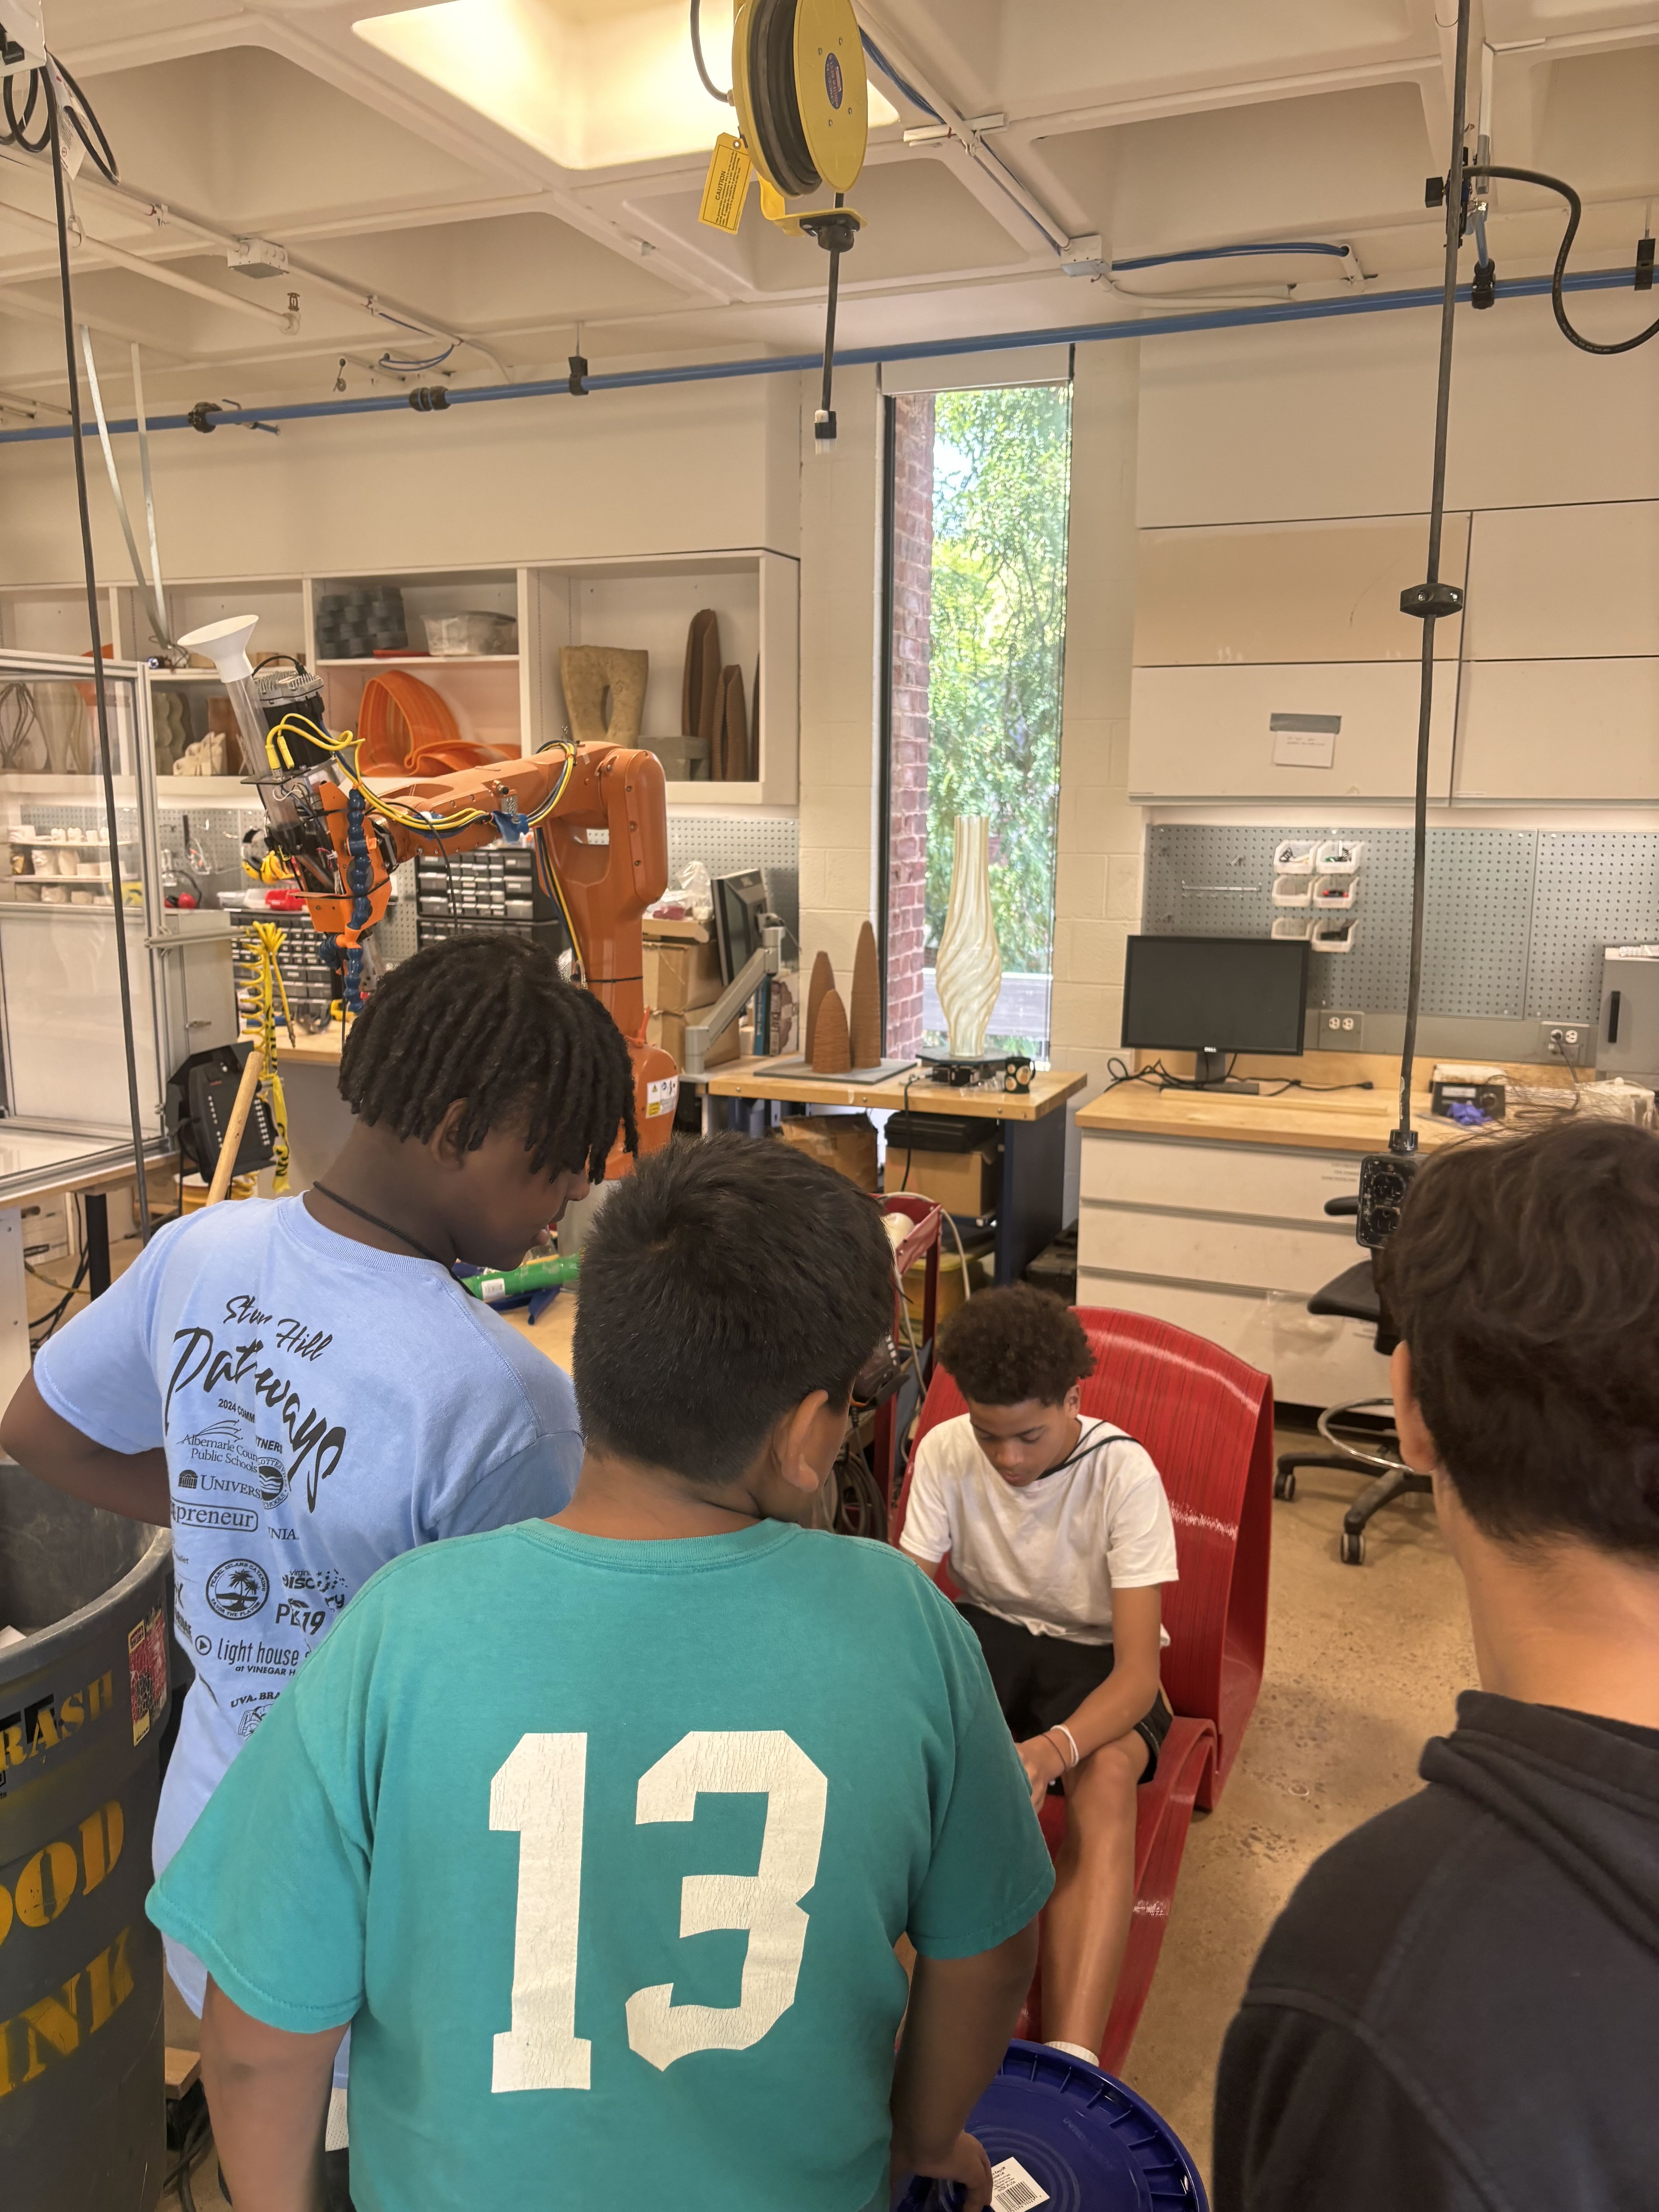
[1058, 1536]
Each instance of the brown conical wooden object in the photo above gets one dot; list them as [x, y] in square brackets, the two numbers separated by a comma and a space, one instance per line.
[823, 982]
[701, 687]
[864, 1015]
[832, 1053]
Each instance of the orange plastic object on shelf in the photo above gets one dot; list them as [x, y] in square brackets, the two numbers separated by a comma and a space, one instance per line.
[405, 728]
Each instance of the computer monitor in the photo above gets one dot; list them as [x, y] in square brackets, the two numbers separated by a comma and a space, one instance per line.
[739, 903]
[1214, 996]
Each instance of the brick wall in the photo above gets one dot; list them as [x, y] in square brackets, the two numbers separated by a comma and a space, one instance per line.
[907, 797]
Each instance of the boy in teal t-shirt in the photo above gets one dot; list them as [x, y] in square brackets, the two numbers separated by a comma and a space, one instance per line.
[599, 1833]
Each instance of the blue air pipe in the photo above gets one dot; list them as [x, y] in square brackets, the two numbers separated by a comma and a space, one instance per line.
[710, 372]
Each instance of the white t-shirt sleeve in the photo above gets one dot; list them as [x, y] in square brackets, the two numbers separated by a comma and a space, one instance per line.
[1140, 1545]
[927, 1534]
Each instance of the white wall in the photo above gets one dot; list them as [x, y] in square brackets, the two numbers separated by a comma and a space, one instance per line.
[1097, 880]
[1292, 422]
[671, 469]
[841, 628]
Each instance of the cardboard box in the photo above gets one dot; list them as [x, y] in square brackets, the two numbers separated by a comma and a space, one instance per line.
[962, 1182]
[846, 1142]
[669, 1031]
[681, 966]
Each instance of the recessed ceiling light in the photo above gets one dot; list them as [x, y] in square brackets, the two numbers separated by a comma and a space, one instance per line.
[590, 83]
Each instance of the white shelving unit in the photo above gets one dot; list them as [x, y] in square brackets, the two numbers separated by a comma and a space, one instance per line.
[512, 701]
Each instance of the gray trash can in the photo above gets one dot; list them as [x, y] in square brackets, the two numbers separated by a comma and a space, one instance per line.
[83, 1702]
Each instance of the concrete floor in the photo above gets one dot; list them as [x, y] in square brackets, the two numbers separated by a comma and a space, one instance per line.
[1364, 1665]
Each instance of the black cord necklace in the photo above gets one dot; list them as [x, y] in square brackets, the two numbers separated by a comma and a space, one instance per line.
[1085, 1444]
[374, 1221]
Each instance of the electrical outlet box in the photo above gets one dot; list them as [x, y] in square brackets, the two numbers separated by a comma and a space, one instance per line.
[1577, 1042]
[257, 257]
[1341, 1029]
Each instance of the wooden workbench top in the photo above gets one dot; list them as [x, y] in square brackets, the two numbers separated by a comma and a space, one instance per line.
[1307, 1120]
[322, 1048]
[915, 1091]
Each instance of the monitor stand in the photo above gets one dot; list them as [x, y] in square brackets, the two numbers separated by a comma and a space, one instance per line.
[1210, 1073]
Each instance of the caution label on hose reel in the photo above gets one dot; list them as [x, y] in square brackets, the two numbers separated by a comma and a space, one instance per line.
[727, 183]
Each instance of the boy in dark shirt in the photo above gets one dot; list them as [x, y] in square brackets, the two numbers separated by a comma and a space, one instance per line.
[1459, 2007]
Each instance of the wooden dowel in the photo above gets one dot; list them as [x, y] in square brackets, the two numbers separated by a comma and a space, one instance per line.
[253, 1067]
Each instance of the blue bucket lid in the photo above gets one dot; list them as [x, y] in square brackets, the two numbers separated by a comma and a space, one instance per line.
[1093, 2145]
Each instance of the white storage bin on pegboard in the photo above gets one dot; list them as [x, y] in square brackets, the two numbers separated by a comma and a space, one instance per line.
[1335, 894]
[1296, 927]
[1334, 932]
[1293, 890]
[1339, 856]
[1295, 857]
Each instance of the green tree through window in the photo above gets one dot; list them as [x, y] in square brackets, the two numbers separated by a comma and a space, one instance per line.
[1002, 482]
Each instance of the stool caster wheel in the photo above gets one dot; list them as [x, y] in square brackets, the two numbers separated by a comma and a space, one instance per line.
[1284, 1483]
[1353, 1549]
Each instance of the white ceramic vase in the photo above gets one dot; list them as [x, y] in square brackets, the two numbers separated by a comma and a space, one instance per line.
[969, 972]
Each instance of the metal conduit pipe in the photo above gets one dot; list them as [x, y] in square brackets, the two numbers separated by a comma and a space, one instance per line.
[711, 372]
[100, 249]
[167, 215]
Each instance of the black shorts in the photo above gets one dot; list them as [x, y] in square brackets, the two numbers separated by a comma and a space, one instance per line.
[1040, 1680]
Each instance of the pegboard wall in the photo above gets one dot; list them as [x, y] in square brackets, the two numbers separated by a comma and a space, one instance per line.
[728, 843]
[1515, 923]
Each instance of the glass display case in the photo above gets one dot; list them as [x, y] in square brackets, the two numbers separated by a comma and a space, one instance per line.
[62, 1064]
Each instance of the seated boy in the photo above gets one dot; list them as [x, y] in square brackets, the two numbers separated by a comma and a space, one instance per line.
[302, 1388]
[1058, 1537]
[600, 1832]
[1457, 2010]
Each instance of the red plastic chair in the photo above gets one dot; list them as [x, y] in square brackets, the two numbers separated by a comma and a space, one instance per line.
[1207, 1420]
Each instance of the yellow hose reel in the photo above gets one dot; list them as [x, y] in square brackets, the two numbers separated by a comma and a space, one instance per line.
[799, 87]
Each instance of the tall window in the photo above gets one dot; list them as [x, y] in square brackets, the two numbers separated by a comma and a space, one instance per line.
[976, 580]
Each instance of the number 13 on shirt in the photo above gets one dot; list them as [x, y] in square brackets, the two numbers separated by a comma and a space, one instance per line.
[538, 1792]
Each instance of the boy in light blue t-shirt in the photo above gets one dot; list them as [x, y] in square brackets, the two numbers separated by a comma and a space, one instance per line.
[303, 1389]
[599, 1834]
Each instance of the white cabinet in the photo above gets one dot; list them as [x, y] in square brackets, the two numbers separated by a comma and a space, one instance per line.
[1246, 634]
[1199, 733]
[1563, 583]
[1560, 691]
[1230, 1241]
[1571, 731]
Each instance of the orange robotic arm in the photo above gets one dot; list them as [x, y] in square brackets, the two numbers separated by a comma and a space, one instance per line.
[598, 814]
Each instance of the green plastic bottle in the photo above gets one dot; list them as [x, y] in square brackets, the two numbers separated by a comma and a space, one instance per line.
[551, 1272]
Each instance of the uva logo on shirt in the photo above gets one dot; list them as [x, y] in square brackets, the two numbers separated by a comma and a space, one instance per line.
[316, 1443]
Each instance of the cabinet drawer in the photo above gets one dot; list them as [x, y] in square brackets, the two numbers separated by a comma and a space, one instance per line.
[1207, 734]
[1209, 1247]
[1233, 1179]
[1567, 730]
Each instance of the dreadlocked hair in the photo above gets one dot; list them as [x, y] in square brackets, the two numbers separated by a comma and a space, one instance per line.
[489, 1020]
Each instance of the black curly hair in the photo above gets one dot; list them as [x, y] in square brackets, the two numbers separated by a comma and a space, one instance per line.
[721, 1285]
[489, 1019]
[1003, 1348]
